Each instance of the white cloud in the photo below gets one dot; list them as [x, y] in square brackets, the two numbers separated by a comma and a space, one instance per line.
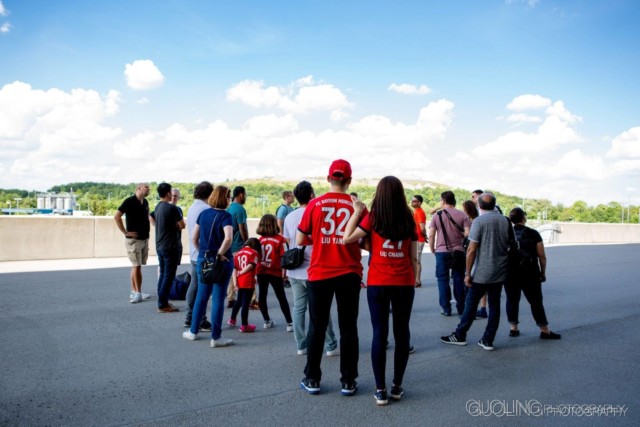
[5, 28]
[143, 100]
[522, 118]
[3, 10]
[142, 74]
[303, 96]
[626, 145]
[530, 3]
[528, 102]
[270, 126]
[408, 89]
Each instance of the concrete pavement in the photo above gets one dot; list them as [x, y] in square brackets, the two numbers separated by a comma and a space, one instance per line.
[76, 352]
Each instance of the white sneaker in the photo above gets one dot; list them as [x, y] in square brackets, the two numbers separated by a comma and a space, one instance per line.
[137, 297]
[145, 296]
[302, 352]
[221, 342]
[269, 324]
[334, 352]
[289, 327]
[188, 335]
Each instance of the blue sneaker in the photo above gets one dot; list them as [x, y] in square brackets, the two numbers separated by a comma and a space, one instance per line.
[349, 389]
[311, 386]
[482, 313]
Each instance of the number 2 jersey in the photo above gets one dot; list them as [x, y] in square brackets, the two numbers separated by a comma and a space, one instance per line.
[273, 248]
[389, 261]
[244, 257]
[325, 220]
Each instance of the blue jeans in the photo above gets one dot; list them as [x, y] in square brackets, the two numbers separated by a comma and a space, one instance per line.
[347, 291]
[192, 292]
[400, 298]
[475, 293]
[300, 302]
[168, 261]
[217, 292]
[459, 289]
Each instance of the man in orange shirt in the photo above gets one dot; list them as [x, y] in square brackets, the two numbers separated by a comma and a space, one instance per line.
[420, 219]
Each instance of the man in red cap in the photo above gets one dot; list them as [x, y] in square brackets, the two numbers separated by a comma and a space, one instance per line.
[335, 268]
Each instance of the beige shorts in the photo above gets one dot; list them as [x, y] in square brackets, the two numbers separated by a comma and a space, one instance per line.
[419, 248]
[138, 251]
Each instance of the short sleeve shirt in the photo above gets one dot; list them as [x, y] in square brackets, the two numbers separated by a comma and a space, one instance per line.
[239, 216]
[136, 216]
[325, 220]
[454, 236]
[167, 217]
[192, 217]
[419, 217]
[283, 211]
[244, 257]
[273, 248]
[390, 261]
[491, 232]
[211, 240]
[290, 231]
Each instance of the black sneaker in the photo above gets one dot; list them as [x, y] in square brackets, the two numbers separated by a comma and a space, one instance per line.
[381, 397]
[550, 336]
[453, 339]
[187, 323]
[514, 333]
[349, 389]
[481, 314]
[311, 386]
[205, 326]
[412, 349]
[396, 392]
[486, 345]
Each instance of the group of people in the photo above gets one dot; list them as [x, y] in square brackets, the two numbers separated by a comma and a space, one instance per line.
[471, 247]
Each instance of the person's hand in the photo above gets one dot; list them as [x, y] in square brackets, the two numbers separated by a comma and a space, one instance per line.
[358, 206]
[543, 278]
[467, 281]
[223, 258]
[131, 234]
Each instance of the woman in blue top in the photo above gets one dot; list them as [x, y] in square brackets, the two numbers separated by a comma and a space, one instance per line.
[213, 232]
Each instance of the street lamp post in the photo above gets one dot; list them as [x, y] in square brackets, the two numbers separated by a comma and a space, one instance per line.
[17, 199]
[9, 203]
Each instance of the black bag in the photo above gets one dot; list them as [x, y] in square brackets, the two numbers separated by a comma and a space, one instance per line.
[179, 286]
[212, 269]
[293, 258]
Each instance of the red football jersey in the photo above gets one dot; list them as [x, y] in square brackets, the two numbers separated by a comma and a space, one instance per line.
[244, 257]
[325, 220]
[272, 249]
[389, 261]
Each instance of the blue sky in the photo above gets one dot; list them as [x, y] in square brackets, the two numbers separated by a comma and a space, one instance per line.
[534, 98]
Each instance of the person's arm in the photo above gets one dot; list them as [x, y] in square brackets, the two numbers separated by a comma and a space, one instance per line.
[280, 226]
[303, 239]
[423, 229]
[118, 218]
[244, 234]
[466, 231]
[195, 237]
[471, 258]
[181, 224]
[226, 243]
[432, 240]
[247, 269]
[413, 251]
[352, 233]
[542, 257]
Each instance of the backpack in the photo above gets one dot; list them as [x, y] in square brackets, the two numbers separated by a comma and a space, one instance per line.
[522, 257]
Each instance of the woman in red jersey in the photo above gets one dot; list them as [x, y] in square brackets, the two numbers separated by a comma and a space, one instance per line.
[245, 263]
[393, 260]
[269, 271]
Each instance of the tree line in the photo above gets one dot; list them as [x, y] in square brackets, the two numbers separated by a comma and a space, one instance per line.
[265, 196]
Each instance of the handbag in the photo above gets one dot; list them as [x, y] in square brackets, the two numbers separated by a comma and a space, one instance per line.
[293, 258]
[212, 268]
[179, 286]
[456, 260]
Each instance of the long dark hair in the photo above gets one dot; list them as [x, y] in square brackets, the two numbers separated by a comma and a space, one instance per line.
[390, 216]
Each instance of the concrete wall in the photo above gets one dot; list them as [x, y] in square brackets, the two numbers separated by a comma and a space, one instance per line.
[24, 238]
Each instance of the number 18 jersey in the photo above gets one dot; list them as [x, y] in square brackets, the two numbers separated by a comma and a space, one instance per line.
[325, 220]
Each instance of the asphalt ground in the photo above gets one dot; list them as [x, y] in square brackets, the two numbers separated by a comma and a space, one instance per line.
[74, 351]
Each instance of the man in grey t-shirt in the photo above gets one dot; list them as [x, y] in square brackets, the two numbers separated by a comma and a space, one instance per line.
[486, 271]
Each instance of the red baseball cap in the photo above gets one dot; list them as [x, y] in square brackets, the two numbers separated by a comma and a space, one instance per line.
[340, 170]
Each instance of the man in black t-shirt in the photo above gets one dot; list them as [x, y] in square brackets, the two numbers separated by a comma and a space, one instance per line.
[169, 221]
[136, 212]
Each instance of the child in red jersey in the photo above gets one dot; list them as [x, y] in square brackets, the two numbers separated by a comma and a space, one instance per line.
[269, 271]
[391, 280]
[245, 262]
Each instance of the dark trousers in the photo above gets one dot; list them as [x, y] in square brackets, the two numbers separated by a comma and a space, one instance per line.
[242, 305]
[346, 288]
[168, 262]
[278, 287]
[474, 294]
[530, 285]
[401, 300]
